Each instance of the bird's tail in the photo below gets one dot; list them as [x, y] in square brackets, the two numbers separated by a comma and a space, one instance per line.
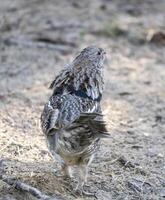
[103, 135]
[96, 123]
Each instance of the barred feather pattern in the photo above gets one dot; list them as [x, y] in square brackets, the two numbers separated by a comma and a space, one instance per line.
[72, 120]
[81, 74]
[78, 129]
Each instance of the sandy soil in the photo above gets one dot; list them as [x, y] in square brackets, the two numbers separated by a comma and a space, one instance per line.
[37, 38]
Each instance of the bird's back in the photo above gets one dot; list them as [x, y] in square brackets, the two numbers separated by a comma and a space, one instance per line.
[72, 120]
[77, 125]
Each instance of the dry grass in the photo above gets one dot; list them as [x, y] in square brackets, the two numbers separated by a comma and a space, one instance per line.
[130, 165]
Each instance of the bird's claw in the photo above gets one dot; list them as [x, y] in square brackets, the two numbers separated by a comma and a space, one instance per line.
[89, 193]
[81, 192]
[58, 174]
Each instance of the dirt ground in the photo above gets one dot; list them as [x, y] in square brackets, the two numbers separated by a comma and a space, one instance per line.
[39, 37]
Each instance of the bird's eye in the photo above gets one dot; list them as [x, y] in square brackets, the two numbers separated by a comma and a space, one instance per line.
[98, 53]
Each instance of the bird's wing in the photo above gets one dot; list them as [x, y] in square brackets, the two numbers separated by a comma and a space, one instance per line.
[63, 112]
[61, 81]
[60, 112]
[85, 83]
[95, 123]
[49, 118]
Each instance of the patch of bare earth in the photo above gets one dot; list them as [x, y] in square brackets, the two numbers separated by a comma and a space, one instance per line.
[37, 38]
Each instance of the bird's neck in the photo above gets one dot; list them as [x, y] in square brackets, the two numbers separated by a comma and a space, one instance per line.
[89, 83]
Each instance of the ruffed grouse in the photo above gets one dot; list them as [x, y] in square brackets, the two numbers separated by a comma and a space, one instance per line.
[72, 120]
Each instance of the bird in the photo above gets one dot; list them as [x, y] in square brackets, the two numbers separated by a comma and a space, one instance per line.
[72, 119]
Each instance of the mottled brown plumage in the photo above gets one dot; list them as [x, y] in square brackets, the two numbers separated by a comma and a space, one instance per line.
[72, 119]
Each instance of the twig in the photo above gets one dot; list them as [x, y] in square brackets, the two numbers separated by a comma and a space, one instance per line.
[54, 41]
[113, 161]
[26, 188]
[126, 163]
[6, 145]
[51, 38]
[62, 26]
[31, 44]
[139, 186]
[134, 186]
[129, 164]
[8, 72]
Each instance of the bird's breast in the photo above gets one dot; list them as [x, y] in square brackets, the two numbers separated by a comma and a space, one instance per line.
[75, 144]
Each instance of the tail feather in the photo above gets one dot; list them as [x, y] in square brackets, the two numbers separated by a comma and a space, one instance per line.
[96, 123]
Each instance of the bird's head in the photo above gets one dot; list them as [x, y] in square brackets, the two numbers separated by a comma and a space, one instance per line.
[84, 76]
[91, 55]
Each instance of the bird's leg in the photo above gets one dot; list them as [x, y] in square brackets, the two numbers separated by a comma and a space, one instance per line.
[87, 165]
[67, 171]
[64, 172]
[60, 164]
[83, 169]
[81, 178]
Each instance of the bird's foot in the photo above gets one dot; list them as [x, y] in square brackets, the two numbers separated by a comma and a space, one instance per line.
[92, 194]
[81, 192]
[59, 174]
